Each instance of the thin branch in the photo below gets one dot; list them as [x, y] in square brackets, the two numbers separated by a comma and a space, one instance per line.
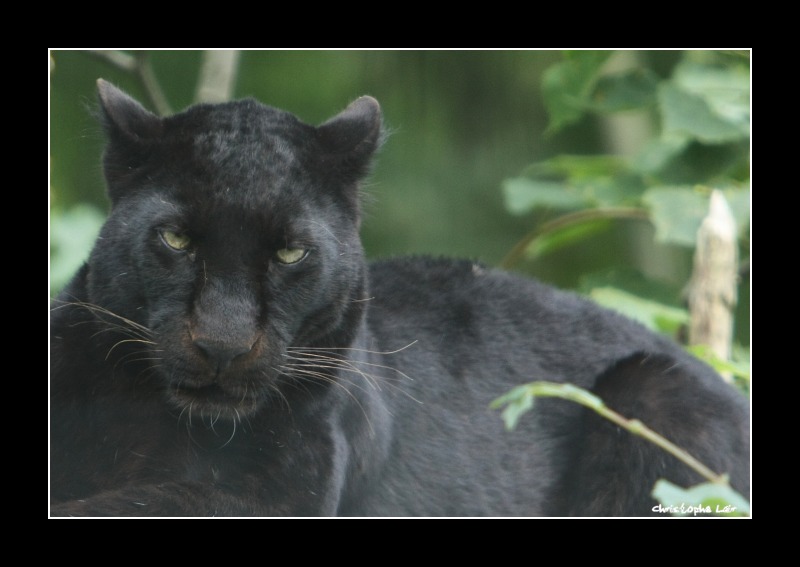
[151, 85]
[118, 59]
[518, 251]
[543, 389]
[138, 65]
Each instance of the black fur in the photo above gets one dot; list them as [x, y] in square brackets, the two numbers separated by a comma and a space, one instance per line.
[193, 373]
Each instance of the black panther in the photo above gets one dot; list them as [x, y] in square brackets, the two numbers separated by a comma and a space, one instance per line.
[226, 350]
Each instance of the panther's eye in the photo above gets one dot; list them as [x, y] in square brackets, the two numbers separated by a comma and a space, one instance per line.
[175, 240]
[291, 255]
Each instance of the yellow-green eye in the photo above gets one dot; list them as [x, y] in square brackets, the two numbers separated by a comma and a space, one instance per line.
[290, 255]
[175, 240]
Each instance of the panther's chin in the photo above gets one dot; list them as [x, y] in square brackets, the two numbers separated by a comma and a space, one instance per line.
[214, 402]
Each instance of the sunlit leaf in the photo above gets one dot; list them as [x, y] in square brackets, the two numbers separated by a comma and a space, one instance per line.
[593, 180]
[658, 152]
[577, 168]
[677, 211]
[517, 402]
[726, 90]
[706, 498]
[519, 399]
[523, 195]
[736, 368]
[634, 282]
[622, 190]
[72, 235]
[653, 315]
[690, 114]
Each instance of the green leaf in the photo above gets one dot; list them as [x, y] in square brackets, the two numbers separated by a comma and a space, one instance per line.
[72, 234]
[739, 369]
[706, 498]
[690, 114]
[653, 315]
[677, 211]
[518, 401]
[659, 152]
[600, 180]
[567, 86]
[726, 90]
[623, 190]
[578, 168]
[741, 360]
[634, 282]
[523, 195]
[632, 89]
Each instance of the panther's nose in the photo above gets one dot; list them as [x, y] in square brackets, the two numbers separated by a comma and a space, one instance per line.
[220, 354]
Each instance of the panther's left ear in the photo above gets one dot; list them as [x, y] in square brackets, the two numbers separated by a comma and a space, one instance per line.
[131, 131]
[351, 137]
[124, 117]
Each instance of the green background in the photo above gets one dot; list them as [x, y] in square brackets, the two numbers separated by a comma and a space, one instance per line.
[461, 122]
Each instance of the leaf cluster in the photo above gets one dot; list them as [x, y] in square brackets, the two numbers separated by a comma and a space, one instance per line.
[701, 113]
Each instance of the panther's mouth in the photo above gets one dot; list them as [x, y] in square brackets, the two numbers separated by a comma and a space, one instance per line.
[214, 401]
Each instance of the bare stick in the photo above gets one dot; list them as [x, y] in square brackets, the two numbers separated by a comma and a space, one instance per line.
[712, 292]
[217, 76]
[151, 85]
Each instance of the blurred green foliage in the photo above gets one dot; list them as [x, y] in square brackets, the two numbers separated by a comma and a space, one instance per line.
[459, 121]
[701, 110]
[462, 124]
[72, 234]
[699, 113]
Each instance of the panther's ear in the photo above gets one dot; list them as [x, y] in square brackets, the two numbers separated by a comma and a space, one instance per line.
[351, 137]
[132, 131]
[124, 117]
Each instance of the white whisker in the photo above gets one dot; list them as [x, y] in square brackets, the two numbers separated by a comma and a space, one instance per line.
[381, 352]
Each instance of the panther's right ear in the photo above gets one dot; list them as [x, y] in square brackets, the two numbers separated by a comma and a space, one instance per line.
[350, 138]
[124, 118]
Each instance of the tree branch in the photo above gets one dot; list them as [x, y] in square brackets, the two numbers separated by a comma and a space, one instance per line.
[520, 399]
[518, 251]
[118, 59]
[217, 76]
[138, 65]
